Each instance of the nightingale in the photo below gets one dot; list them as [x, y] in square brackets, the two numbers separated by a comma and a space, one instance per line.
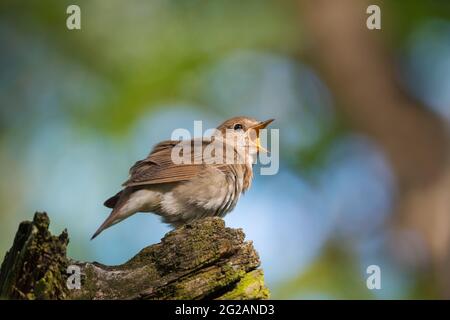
[210, 180]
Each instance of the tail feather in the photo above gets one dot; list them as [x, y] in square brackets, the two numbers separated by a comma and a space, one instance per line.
[114, 218]
[106, 224]
[116, 214]
[112, 202]
[128, 203]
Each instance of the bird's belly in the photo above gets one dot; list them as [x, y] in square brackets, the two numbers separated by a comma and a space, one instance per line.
[201, 197]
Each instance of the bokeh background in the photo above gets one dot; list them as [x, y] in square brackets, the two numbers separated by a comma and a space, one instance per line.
[363, 116]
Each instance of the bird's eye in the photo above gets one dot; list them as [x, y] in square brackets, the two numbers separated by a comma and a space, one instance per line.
[238, 126]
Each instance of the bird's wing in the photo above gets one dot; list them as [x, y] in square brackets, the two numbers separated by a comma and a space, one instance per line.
[158, 167]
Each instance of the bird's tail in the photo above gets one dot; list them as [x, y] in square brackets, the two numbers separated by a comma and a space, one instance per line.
[110, 221]
[117, 214]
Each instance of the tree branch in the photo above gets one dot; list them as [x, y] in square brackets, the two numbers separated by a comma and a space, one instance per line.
[202, 260]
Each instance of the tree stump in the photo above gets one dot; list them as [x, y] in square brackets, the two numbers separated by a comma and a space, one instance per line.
[201, 260]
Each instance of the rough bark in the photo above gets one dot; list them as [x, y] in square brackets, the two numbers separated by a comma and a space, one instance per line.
[202, 260]
[35, 266]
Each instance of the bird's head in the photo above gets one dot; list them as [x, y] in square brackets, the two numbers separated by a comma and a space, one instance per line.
[244, 130]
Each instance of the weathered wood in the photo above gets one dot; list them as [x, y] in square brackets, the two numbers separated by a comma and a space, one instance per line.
[202, 260]
[35, 266]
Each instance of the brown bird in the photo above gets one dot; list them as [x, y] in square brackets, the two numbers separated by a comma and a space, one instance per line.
[210, 183]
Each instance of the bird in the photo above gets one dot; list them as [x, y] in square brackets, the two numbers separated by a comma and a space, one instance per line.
[182, 192]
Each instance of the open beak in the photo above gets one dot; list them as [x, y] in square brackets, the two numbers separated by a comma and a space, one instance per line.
[262, 125]
[257, 127]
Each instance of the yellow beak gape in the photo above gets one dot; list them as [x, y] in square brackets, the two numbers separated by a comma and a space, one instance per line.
[259, 146]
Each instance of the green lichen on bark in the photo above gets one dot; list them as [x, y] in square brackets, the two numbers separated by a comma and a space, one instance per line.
[250, 286]
[201, 260]
[34, 267]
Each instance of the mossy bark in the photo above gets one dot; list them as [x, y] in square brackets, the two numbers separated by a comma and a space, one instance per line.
[202, 260]
[35, 266]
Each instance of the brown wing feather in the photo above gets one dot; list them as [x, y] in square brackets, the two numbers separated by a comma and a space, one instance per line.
[159, 168]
